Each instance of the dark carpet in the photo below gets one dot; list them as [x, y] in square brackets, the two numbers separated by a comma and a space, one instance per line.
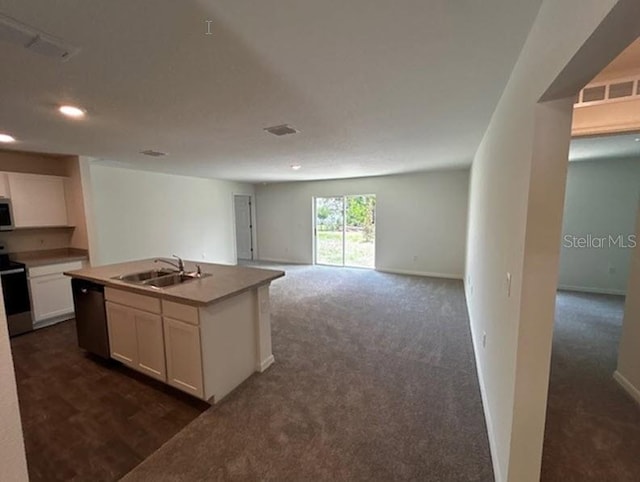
[374, 380]
[85, 419]
[593, 427]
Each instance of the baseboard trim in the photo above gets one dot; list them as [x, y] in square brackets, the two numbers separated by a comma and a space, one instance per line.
[485, 402]
[595, 291]
[266, 363]
[280, 261]
[428, 274]
[627, 386]
[52, 321]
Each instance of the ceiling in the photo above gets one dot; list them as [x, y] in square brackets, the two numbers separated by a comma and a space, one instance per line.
[625, 63]
[375, 86]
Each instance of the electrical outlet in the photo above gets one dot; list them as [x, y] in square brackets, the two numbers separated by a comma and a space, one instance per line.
[484, 339]
[204, 255]
[415, 258]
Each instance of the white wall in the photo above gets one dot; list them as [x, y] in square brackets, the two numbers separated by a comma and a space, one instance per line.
[12, 455]
[601, 200]
[516, 197]
[420, 220]
[628, 372]
[142, 214]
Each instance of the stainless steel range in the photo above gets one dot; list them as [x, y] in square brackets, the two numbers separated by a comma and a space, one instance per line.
[15, 291]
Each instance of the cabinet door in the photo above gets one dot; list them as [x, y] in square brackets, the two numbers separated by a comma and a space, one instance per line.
[122, 334]
[51, 296]
[4, 185]
[150, 344]
[38, 200]
[184, 360]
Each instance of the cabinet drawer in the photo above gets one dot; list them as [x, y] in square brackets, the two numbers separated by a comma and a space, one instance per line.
[54, 268]
[142, 302]
[179, 311]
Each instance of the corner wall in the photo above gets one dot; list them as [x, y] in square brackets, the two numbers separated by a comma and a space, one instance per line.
[12, 455]
[142, 214]
[628, 372]
[420, 220]
[516, 197]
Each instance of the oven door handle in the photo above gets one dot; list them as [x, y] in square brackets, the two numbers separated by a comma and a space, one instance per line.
[12, 271]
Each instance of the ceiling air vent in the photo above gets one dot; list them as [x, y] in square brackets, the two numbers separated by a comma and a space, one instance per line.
[34, 40]
[152, 153]
[281, 130]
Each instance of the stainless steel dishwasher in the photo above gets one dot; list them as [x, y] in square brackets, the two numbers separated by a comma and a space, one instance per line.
[91, 317]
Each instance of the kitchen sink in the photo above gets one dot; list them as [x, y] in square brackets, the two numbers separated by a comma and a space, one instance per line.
[146, 275]
[160, 278]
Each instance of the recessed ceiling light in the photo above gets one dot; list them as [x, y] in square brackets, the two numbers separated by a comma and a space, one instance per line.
[72, 111]
[6, 138]
[281, 130]
[637, 139]
[152, 153]
[296, 167]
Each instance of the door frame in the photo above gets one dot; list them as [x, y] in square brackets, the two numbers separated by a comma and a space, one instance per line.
[252, 215]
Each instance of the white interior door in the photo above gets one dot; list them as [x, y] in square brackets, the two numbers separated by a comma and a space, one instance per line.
[244, 227]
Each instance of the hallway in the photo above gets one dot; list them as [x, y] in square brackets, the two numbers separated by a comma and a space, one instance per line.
[593, 427]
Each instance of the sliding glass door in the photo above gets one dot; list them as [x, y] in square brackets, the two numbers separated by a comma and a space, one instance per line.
[345, 230]
[329, 231]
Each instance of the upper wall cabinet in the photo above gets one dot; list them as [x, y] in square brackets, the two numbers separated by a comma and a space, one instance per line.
[4, 185]
[37, 200]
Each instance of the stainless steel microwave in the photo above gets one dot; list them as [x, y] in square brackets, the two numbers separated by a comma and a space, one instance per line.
[6, 214]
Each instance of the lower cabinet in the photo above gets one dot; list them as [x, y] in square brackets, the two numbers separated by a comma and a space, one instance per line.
[50, 290]
[184, 359]
[123, 339]
[136, 339]
[205, 351]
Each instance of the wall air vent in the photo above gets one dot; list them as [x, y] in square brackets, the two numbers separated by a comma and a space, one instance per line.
[152, 153]
[34, 40]
[281, 130]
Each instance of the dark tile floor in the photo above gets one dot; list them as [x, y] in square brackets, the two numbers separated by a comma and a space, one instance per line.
[85, 418]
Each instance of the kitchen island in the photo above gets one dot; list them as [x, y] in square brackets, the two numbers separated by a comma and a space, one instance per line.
[203, 335]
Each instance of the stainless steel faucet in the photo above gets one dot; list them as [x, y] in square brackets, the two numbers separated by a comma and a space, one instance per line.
[179, 265]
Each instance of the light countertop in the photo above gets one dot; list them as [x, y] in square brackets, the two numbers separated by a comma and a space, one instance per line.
[225, 280]
[49, 256]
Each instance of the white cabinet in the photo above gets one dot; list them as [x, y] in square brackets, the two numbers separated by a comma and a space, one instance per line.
[4, 185]
[136, 336]
[184, 360]
[205, 351]
[50, 289]
[37, 200]
[122, 334]
[150, 336]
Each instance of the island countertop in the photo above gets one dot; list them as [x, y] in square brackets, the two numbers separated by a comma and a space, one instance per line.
[225, 280]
